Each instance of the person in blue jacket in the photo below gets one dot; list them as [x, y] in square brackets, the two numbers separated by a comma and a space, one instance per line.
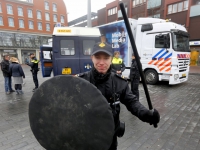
[17, 74]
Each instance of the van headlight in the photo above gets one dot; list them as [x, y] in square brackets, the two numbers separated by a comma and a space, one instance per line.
[176, 76]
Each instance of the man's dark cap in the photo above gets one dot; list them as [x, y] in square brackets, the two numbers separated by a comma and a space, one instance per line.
[102, 47]
[31, 54]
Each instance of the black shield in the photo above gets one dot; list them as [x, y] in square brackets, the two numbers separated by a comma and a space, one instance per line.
[69, 113]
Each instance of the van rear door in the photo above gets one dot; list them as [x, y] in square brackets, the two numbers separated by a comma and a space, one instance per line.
[65, 55]
[46, 60]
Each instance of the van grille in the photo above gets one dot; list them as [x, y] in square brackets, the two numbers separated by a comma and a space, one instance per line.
[183, 64]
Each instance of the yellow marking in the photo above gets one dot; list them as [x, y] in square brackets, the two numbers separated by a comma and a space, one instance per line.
[64, 31]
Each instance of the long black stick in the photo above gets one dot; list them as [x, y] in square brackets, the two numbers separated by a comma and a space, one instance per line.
[136, 56]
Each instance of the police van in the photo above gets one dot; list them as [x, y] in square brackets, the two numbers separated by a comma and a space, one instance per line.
[68, 51]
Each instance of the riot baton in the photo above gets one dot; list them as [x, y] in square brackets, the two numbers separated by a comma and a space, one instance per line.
[136, 56]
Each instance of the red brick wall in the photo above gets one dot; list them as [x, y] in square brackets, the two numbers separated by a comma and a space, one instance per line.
[38, 5]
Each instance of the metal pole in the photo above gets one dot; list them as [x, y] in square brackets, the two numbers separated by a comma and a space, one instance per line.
[89, 14]
[136, 56]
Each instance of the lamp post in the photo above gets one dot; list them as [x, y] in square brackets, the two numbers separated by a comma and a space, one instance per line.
[89, 14]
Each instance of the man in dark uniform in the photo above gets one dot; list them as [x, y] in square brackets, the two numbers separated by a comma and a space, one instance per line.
[117, 63]
[134, 77]
[34, 69]
[115, 89]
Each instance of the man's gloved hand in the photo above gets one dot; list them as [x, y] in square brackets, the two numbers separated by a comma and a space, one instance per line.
[152, 117]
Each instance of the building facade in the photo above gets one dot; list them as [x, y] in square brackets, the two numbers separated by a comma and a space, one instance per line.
[25, 25]
[184, 12]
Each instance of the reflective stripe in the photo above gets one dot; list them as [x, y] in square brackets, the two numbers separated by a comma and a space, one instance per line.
[115, 103]
[116, 60]
[34, 61]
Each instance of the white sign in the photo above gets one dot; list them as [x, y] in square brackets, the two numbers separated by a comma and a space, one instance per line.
[195, 43]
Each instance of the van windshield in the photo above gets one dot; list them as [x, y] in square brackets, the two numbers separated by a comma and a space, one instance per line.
[180, 43]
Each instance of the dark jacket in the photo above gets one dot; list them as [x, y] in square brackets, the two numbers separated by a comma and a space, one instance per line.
[117, 65]
[16, 70]
[33, 64]
[5, 68]
[111, 83]
[134, 71]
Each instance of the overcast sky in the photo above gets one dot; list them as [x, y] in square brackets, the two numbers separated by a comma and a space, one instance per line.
[78, 8]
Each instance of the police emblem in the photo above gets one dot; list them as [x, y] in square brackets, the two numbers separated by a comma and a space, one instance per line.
[102, 44]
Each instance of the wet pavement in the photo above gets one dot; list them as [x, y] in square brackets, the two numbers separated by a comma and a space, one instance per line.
[179, 128]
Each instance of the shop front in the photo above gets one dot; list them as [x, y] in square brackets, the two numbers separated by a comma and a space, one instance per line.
[195, 53]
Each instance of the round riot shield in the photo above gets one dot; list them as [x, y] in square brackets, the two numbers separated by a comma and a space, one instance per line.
[69, 113]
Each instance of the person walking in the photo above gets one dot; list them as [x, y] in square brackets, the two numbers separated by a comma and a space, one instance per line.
[117, 63]
[134, 77]
[34, 69]
[115, 89]
[7, 76]
[17, 74]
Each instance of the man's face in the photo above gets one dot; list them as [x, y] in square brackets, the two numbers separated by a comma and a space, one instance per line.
[7, 57]
[102, 62]
[31, 56]
[117, 55]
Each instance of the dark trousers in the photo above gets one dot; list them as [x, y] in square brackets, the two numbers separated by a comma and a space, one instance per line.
[134, 86]
[18, 87]
[35, 79]
[114, 144]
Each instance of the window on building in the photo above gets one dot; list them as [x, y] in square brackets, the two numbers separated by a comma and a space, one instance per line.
[47, 16]
[46, 4]
[30, 1]
[55, 19]
[88, 46]
[138, 2]
[47, 27]
[169, 9]
[1, 21]
[185, 7]
[10, 22]
[39, 25]
[0, 9]
[174, 10]
[20, 11]
[39, 15]
[30, 24]
[30, 13]
[112, 11]
[21, 23]
[9, 9]
[67, 47]
[180, 7]
[54, 7]
[62, 19]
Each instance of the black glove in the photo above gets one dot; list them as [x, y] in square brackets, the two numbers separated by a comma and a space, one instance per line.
[152, 117]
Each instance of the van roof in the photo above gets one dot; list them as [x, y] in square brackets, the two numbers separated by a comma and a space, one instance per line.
[76, 31]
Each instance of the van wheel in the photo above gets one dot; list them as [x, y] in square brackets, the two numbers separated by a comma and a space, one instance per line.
[151, 76]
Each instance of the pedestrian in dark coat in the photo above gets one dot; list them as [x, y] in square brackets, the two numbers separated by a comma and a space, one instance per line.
[115, 89]
[17, 74]
[7, 76]
[134, 77]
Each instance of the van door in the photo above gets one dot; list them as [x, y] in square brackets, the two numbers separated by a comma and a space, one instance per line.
[46, 60]
[65, 55]
[86, 45]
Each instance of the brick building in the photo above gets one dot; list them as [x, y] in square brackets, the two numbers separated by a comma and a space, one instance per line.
[184, 12]
[27, 24]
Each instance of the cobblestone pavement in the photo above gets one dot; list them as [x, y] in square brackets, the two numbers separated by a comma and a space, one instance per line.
[179, 128]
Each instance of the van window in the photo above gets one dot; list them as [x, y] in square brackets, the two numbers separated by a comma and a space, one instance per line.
[160, 41]
[67, 47]
[88, 46]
